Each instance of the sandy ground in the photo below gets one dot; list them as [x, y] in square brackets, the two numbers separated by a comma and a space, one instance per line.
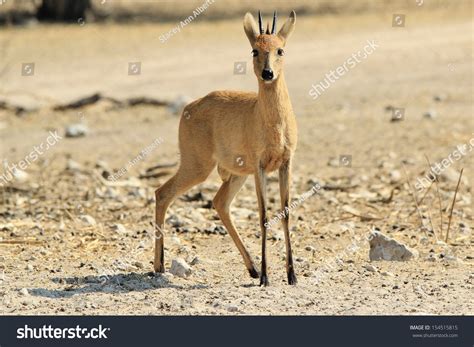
[53, 260]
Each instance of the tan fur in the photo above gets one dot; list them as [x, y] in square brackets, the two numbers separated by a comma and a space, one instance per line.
[242, 134]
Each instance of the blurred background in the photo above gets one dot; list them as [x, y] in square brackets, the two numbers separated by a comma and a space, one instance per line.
[109, 79]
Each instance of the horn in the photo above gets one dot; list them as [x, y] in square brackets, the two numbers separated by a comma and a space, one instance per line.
[260, 27]
[274, 23]
[268, 29]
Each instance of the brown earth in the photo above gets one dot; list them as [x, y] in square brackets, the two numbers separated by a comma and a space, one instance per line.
[54, 262]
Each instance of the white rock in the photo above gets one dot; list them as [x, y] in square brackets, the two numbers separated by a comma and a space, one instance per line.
[395, 176]
[20, 175]
[87, 219]
[180, 268]
[76, 130]
[370, 268]
[383, 247]
[24, 292]
[386, 273]
[72, 165]
[120, 228]
[175, 240]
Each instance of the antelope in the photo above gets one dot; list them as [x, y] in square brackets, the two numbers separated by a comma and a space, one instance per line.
[242, 133]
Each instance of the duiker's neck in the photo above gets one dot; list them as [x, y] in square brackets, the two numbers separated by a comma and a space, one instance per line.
[273, 102]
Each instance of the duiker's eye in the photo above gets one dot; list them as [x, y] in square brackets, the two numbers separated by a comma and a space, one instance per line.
[280, 52]
[254, 53]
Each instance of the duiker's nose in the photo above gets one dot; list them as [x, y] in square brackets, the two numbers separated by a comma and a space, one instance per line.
[267, 74]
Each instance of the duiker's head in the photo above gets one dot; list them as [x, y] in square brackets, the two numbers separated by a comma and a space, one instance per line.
[268, 47]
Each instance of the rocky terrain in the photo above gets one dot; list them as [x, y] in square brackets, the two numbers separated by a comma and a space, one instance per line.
[74, 241]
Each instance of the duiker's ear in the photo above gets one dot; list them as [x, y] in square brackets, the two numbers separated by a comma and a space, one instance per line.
[250, 27]
[288, 27]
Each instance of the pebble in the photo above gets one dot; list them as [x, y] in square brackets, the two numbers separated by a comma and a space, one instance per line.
[370, 268]
[120, 228]
[180, 268]
[232, 308]
[87, 219]
[395, 176]
[174, 221]
[175, 240]
[138, 265]
[195, 261]
[383, 247]
[24, 292]
[309, 248]
[72, 165]
[20, 175]
[29, 267]
[388, 274]
[430, 115]
[76, 130]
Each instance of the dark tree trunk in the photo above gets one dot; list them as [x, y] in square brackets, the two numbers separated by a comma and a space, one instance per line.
[63, 10]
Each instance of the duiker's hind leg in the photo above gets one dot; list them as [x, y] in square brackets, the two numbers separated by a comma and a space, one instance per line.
[190, 173]
[222, 202]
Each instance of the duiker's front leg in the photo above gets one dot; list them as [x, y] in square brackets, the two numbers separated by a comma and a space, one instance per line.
[261, 187]
[284, 174]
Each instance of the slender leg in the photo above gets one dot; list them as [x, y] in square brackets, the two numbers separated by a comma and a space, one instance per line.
[222, 202]
[261, 187]
[284, 174]
[184, 180]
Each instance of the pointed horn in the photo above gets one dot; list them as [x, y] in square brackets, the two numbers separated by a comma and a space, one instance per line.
[260, 26]
[268, 29]
[274, 23]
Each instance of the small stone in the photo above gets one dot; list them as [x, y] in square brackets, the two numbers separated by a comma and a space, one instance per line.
[72, 165]
[6, 227]
[29, 267]
[76, 130]
[388, 274]
[138, 264]
[174, 221]
[195, 261]
[232, 308]
[180, 268]
[175, 240]
[88, 219]
[370, 268]
[309, 248]
[20, 175]
[429, 115]
[120, 228]
[383, 247]
[277, 235]
[24, 292]
[395, 176]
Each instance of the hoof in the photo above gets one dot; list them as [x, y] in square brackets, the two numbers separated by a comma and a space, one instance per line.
[292, 278]
[264, 281]
[159, 269]
[253, 273]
